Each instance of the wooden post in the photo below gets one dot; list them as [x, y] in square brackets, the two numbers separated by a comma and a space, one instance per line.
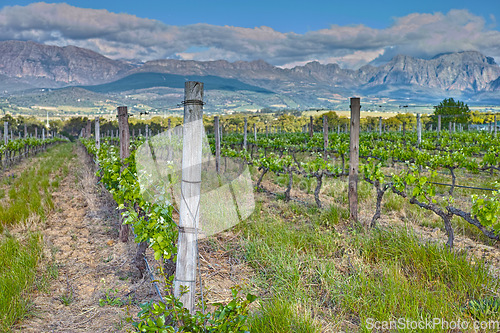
[217, 144]
[245, 134]
[97, 133]
[88, 129]
[255, 132]
[354, 159]
[454, 126]
[187, 255]
[5, 132]
[380, 126]
[43, 133]
[419, 130]
[495, 122]
[311, 130]
[25, 130]
[325, 134]
[267, 131]
[439, 124]
[124, 153]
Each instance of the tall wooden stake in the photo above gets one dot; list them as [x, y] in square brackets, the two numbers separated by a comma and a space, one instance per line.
[124, 135]
[5, 132]
[187, 253]
[245, 130]
[311, 129]
[419, 129]
[380, 126]
[88, 129]
[217, 143]
[97, 133]
[325, 135]
[354, 159]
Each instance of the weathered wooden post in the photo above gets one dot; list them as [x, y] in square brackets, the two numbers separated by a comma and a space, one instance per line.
[43, 133]
[449, 127]
[147, 132]
[88, 129]
[354, 159]
[25, 130]
[325, 135]
[267, 131]
[217, 143]
[439, 124]
[245, 127]
[496, 126]
[124, 136]
[311, 129]
[187, 255]
[36, 132]
[97, 133]
[255, 132]
[419, 130]
[5, 132]
[380, 126]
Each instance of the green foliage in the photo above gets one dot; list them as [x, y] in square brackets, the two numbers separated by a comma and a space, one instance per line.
[171, 316]
[452, 111]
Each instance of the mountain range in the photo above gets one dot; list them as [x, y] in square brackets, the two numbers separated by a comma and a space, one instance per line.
[32, 69]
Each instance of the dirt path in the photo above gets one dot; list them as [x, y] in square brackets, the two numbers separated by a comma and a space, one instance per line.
[82, 251]
[89, 265]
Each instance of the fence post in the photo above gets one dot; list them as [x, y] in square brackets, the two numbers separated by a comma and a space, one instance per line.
[25, 130]
[5, 132]
[380, 126]
[255, 132]
[185, 274]
[439, 124]
[217, 143]
[43, 133]
[311, 130]
[97, 134]
[325, 134]
[419, 130]
[495, 121]
[88, 129]
[354, 159]
[124, 136]
[245, 134]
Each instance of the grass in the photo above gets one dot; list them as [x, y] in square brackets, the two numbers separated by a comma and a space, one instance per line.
[18, 263]
[29, 195]
[313, 277]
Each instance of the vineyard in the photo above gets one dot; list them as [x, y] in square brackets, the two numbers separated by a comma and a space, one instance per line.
[422, 244]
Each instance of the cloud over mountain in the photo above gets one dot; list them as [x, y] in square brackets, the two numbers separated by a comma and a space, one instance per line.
[124, 36]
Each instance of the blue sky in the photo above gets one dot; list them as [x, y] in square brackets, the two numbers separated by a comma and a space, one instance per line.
[284, 33]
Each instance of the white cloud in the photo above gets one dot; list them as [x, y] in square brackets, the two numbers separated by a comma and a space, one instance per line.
[124, 36]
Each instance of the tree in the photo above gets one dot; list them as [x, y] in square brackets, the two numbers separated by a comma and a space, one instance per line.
[452, 111]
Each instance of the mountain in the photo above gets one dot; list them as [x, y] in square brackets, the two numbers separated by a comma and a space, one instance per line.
[53, 66]
[242, 85]
[146, 80]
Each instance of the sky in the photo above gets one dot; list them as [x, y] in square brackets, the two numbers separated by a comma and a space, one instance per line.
[283, 33]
